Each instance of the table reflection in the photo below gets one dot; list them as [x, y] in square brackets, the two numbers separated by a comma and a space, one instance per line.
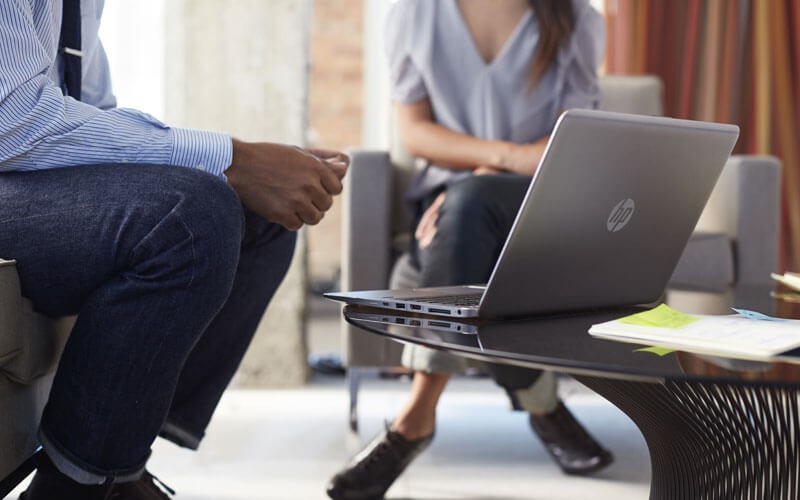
[562, 342]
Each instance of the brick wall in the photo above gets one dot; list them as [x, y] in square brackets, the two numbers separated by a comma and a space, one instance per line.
[335, 107]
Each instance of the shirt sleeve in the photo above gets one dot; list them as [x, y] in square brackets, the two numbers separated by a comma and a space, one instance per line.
[581, 58]
[40, 128]
[406, 81]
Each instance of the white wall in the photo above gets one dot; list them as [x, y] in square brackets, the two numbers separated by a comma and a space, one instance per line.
[375, 124]
[242, 66]
[133, 36]
[239, 67]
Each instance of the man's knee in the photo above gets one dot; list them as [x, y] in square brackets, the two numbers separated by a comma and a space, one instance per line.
[211, 204]
[197, 226]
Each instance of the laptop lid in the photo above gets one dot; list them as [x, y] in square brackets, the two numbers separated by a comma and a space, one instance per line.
[608, 212]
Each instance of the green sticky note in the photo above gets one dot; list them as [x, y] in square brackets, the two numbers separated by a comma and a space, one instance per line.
[660, 351]
[662, 316]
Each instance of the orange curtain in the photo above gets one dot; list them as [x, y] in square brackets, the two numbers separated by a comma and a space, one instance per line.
[734, 61]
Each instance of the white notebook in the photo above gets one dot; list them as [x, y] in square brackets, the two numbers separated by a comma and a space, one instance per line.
[745, 335]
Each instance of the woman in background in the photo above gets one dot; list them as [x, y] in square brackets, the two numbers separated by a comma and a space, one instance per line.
[478, 86]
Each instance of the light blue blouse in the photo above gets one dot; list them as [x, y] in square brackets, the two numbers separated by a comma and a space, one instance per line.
[432, 54]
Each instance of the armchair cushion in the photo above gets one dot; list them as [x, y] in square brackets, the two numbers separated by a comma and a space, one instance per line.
[706, 263]
[29, 342]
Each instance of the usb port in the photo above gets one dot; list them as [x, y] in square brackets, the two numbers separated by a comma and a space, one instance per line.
[416, 307]
[400, 306]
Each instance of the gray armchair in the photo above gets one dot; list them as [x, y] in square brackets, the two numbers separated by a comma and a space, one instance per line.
[30, 345]
[729, 245]
[728, 261]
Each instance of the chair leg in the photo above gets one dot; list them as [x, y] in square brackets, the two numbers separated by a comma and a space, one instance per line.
[354, 376]
[8, 483]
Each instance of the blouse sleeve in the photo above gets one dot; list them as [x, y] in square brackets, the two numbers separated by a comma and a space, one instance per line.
[580, 60]
[406, 81]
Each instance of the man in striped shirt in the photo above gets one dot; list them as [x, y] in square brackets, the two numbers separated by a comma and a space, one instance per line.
[168, 243]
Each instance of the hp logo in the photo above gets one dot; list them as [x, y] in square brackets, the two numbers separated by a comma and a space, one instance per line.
[620, 215]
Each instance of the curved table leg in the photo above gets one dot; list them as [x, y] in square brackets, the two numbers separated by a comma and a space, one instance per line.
[713, 441]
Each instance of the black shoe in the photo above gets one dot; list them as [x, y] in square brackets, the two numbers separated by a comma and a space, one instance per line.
[376, 467]
[147, 487]
[49, 484]
[573, 449]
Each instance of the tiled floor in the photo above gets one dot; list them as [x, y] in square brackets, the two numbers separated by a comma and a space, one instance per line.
[285, 444]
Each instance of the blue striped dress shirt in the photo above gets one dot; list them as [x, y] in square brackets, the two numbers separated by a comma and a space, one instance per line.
[40, 128]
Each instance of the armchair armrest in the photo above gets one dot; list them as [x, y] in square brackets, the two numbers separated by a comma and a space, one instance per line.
[745, 205]
[366, 247]
[736, 239]
[367, 221]
[30, 345]
[758, 232]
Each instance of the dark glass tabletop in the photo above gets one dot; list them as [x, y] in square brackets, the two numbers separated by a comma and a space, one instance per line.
[562, 343]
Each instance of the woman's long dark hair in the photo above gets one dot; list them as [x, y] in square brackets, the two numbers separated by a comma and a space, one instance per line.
[556, 20]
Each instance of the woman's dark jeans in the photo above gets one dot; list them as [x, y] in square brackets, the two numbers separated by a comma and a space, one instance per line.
[168, 275]
[472, 227]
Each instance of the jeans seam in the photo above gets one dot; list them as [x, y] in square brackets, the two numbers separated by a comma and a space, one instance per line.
[191, 244]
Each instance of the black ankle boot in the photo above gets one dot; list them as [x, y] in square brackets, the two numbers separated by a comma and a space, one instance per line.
[572, 448]
[374, 470]
[50, 484]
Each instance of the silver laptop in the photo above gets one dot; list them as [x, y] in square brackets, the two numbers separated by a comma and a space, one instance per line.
[603, 224]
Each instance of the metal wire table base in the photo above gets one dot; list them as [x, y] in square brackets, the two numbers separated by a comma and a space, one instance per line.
[713, 440]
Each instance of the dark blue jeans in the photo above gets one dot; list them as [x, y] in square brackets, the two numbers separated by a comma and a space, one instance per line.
[472, 227]
[168, 275]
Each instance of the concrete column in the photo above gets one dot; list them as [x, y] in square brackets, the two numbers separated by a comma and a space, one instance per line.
[241, 66]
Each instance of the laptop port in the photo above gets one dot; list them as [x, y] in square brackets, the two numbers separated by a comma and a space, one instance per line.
[434, 310]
